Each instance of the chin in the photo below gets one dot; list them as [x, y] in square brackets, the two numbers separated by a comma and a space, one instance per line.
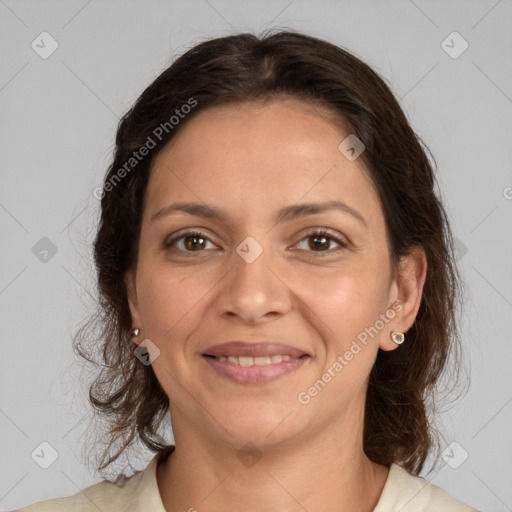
[263, 428]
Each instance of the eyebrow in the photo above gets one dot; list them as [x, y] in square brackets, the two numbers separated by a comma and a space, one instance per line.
[286, 213]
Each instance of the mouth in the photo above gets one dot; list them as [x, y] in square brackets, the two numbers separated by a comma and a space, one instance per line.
[254, 349]
[254, 363]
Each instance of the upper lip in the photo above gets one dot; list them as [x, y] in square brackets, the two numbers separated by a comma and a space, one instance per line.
[253, 349]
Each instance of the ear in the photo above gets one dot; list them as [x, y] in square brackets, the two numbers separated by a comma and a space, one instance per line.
[406, 290]
[133, 303]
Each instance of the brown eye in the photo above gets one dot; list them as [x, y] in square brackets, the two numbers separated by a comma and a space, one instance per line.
[193, 241]
[320, 240]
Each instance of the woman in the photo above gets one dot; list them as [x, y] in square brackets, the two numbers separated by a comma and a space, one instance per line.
[276, 271]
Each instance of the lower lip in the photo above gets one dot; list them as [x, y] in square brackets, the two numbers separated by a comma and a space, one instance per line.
[255, 374]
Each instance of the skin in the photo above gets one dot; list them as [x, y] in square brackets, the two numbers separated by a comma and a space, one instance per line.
[250, 160]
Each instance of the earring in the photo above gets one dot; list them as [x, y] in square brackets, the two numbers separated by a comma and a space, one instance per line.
[135, 332]
[398, 337]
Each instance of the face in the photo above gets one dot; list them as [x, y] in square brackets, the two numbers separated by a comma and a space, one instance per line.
[252, 275]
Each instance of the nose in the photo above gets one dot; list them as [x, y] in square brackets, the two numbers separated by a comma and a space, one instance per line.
[253, 290]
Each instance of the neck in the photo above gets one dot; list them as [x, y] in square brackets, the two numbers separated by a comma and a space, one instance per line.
[327, 472]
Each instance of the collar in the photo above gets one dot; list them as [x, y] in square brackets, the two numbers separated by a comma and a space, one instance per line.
[148, 494]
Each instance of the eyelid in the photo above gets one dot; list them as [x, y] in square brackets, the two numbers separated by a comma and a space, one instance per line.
[338, 238]
[184, 233]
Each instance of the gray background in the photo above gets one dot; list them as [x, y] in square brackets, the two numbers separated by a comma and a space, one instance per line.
[59, 117]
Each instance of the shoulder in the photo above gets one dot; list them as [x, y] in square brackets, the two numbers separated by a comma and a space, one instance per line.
[103, 496]
[123, 495]
[408, 493]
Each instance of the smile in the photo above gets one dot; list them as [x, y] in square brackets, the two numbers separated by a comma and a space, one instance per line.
[258, 361]
[254, 370]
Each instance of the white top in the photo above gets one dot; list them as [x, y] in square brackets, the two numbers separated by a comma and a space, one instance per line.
[402, 492]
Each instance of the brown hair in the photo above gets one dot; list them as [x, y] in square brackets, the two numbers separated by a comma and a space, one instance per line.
[242, 68]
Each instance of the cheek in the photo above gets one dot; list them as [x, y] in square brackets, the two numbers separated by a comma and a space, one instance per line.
[171, 299]
[346, 309]
[347, 300]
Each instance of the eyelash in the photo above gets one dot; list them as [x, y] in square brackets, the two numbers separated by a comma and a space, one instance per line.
[319, 232]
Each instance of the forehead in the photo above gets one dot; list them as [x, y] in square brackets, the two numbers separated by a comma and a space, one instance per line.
[251, 156]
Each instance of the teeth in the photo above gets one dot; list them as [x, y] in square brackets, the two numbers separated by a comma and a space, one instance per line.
[250, 361]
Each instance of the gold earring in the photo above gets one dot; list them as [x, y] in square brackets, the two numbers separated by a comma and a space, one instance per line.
[135, 332]
[398, 337]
